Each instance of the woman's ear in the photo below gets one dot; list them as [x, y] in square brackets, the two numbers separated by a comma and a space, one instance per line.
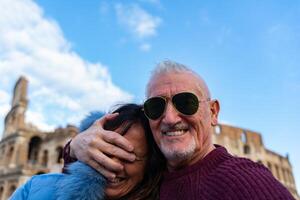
[214, 110]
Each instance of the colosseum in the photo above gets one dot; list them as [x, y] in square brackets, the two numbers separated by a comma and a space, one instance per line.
[27, 151]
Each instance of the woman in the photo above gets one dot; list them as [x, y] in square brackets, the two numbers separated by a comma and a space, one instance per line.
[139, 179]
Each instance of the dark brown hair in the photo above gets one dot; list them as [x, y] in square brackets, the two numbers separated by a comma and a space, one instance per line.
[148, 189]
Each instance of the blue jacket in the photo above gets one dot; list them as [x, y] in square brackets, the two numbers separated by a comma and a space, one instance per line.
[38, 187]
[81, 183]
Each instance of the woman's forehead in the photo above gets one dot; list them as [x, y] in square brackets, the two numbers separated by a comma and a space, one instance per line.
[136, 135]
[131, 130]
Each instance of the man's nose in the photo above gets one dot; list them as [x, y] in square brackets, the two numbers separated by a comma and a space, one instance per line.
[171, 115]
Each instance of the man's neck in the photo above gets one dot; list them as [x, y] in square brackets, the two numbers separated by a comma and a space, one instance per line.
[173, 165]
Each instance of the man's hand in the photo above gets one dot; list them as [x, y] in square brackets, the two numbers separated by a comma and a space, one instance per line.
[96, 147]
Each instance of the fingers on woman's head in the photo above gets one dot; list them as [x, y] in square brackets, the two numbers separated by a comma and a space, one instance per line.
[115, 151]
[118, 140]
[102, 170]
[105, 118]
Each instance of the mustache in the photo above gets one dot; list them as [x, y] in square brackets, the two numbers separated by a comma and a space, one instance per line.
[178, 126]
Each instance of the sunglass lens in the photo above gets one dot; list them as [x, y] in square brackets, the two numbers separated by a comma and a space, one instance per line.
[187, 103]
[154, 107]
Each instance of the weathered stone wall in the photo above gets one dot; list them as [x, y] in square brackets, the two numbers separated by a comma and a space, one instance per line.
[24, 150]
[16, 166]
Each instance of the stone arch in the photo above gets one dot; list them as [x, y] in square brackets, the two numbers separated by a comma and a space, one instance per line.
[244, 137]
[12, 188]
[10, 153]
[2, 150]
[260, 162]
[218, 129]
[34, 148]
[277, 172]
[1, 192]
[59, 154]
[292, 181]
[270, 167]
[284, 175]
[45, 158]
[247, 149]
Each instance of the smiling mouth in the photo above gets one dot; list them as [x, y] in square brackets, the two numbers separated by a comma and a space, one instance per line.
[116, 181]
[175, 132]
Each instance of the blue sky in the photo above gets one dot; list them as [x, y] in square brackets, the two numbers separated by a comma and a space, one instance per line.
[85, 55]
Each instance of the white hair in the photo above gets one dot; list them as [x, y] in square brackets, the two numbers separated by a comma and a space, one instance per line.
[169, 66]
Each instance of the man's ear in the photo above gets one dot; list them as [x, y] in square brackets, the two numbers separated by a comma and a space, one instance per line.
[214, 110]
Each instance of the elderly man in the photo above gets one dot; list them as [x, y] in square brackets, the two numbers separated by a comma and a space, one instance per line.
[182, 114]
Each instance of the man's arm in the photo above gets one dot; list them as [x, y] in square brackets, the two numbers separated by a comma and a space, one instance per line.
[96, 146]
[66, 156]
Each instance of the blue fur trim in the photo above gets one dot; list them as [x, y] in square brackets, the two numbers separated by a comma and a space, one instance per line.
[82, 182]
[89, 120]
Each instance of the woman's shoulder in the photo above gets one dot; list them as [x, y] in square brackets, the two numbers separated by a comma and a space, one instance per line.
[38, 187]
[48, 180]
[46, 177]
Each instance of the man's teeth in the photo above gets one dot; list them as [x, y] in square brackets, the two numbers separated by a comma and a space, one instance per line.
[174, 133]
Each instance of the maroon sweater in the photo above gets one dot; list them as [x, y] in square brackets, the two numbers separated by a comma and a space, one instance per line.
[222, 176]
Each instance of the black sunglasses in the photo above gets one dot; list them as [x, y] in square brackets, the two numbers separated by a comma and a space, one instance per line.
[185, 103]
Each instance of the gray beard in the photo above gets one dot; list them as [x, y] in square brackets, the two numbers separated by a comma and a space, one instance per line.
[178, 155]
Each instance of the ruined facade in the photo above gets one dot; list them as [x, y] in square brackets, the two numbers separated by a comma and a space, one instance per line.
[26, 151]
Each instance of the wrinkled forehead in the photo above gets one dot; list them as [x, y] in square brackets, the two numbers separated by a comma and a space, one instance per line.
[168, 84]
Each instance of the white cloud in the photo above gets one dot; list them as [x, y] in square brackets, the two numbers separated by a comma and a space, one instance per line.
[4, 108]
[4, 96]
[39, 119]
[4, 103]
[137, 20]
[60, 81]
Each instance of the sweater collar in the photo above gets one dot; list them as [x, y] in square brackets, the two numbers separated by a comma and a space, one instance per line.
[205, 165]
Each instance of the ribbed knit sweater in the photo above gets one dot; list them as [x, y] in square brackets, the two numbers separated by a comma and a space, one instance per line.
[222, 176]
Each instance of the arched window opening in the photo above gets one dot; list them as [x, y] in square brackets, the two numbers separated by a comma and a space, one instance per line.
[59, 152]
[217, 130]
[34, 148]
[45, 158]
[244, 137]
[2, 151]
[270, 166]
[11, 190]
[284, 175]
[10, 153]
[260, 162]
[290, 177]
[40, 172]
[277, 172]
[1, 192]
[246, 149]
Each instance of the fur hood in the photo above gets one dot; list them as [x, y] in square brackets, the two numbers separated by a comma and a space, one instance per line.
[82, 181]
